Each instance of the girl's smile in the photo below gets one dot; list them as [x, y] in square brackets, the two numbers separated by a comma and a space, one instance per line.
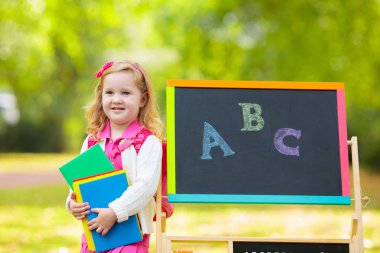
[117, 108]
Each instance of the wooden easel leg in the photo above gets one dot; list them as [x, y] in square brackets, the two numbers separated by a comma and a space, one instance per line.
[357, 236]
[163, 232]
[230, 246]
[168, 245]
[159, 229]
[158, 234]
[353, 236]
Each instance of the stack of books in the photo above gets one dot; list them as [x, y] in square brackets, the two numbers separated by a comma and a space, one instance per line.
[94, 180]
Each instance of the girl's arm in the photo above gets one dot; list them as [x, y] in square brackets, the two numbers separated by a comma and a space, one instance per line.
[138, 195]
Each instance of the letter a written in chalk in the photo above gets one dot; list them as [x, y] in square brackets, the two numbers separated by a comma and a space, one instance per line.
[208, 133]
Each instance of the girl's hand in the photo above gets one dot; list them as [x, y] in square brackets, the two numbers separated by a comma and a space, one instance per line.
[79, 210]
[104, 222]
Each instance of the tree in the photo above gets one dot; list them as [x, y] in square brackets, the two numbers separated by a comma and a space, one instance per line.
[50, 50]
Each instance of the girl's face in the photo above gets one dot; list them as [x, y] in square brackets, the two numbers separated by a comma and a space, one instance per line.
[121, 99]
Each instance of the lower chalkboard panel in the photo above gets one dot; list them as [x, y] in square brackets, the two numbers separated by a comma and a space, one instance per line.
[277, 247]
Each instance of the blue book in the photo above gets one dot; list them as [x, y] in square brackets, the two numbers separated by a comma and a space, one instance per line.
[99, 191]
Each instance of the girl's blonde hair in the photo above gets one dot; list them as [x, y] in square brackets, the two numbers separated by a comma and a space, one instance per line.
[148, 115]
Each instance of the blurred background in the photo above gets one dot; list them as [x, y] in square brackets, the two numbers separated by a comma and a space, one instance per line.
[50, 51]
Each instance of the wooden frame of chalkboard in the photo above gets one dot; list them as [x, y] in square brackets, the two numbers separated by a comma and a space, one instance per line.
[257, 142]
[355, 239]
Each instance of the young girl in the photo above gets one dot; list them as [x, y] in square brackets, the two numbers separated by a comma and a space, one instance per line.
[124, 108]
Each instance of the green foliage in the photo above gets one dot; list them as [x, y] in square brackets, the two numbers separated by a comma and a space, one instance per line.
[50, 50]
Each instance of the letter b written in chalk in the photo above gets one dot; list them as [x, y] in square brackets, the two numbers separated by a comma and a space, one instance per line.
[252, 117]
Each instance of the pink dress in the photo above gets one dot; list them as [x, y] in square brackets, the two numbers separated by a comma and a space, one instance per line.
[139, 247]
[113, 153]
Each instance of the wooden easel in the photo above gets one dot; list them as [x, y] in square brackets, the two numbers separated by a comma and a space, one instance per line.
[163, 242]
[356, 244]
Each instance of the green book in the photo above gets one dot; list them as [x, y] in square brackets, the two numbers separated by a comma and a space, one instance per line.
[91, 162]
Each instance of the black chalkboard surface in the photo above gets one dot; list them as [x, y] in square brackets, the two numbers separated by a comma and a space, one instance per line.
[272, 247]
[257, 145]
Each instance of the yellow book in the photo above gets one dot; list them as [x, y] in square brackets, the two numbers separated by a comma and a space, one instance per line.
[99, 191]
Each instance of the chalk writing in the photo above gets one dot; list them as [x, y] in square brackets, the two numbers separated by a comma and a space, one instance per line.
[279, 141]
[250, 117]
[208, 133]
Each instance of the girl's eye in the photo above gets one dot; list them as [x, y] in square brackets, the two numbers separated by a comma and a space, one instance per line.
[109, 92]
[126, 92]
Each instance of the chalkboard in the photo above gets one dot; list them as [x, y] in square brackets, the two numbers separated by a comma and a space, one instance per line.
[257, 142]
[273, 247]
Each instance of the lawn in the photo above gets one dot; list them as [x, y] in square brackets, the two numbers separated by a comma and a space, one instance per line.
[34, 219]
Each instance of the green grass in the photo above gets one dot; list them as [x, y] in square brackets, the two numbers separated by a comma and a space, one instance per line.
[34, 219]
[10, 162]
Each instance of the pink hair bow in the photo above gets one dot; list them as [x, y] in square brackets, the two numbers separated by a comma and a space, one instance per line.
[105, 66]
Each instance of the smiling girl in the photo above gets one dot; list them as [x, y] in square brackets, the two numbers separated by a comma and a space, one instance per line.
[123, 109]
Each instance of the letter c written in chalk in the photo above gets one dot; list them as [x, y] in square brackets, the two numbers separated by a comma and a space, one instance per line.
[279, 141]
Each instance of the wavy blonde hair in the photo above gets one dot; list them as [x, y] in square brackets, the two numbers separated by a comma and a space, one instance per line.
[148, 115]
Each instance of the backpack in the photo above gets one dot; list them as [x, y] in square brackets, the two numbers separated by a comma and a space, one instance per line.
[137, 142]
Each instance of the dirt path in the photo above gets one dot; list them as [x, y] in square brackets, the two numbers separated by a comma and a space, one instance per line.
[15, 180]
